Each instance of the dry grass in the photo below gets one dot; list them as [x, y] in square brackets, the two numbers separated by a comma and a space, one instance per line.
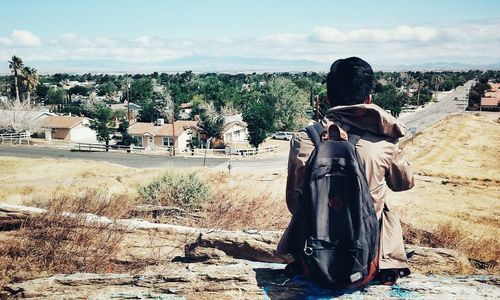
[483, 252]
[454, 203]
[55, 242]
[236, 210]
[23, 179]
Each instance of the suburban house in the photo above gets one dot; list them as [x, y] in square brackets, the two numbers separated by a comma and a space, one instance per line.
[159, 135]
[234, 129]
[132, 106]
[185, 110]
[491, 99]
[71, 129]
[131, 109]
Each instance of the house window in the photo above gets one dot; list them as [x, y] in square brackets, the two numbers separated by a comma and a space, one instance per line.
[138, 140]
[53, 131]
[168, 141]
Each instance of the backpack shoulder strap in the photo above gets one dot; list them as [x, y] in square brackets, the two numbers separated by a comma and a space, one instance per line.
[354, 135]
[314, 132]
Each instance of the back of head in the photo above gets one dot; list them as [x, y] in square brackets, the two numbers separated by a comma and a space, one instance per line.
[349, 82]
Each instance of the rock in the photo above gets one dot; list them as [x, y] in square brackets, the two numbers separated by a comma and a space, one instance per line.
[177, 281]
[256, 246]
[439, 261]
[220, 264]
[240, 280]
[11, 219]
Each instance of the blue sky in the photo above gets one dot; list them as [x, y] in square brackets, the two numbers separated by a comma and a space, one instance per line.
[386, 32]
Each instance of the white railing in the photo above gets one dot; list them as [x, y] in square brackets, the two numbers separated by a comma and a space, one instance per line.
[15, 137]
[102, 147]
[202, 152]
[244, 152]
[179, 152]
[254, 151]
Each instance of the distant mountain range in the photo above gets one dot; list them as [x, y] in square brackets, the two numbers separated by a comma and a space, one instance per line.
[227, 64]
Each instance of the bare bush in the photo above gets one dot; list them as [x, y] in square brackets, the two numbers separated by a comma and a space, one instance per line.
[18, 117]
[55, 242]
[235, 210]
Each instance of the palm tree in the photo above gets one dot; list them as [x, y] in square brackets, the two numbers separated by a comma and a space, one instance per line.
[30, 80]
[15, 65]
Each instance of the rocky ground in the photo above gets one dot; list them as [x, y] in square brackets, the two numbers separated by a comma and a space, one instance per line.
[194, 263]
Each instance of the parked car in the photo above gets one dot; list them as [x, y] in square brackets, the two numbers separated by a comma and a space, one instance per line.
[280, 135]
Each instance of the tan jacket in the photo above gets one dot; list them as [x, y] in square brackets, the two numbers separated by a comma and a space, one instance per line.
[385, 167]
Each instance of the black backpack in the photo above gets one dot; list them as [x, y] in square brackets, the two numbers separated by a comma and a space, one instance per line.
[335, 238]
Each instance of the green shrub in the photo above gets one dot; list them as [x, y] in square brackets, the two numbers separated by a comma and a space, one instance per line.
[184, 190]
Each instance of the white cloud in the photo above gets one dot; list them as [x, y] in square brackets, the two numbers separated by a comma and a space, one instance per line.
[5, 41]
[143, 41]
[23, 38]
[69, 37]
[284, 38]
[103, 42]
[398, 34]
[461, 42]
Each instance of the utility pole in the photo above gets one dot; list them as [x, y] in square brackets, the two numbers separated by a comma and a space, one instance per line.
[173, 129]
[418, 94]
[128, 101]
[169, 103]
[317, 108]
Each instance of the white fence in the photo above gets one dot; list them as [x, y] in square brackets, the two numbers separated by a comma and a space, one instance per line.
[14, 138]
[228, 151]
[244, 152]
[102, 147]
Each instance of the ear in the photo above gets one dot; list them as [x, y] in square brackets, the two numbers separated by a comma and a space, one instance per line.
[368, 99]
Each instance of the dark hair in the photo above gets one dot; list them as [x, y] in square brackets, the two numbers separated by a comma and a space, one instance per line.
[349, 82]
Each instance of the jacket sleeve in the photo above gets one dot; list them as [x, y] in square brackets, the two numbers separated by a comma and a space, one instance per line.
[399, 176]
[300, 151]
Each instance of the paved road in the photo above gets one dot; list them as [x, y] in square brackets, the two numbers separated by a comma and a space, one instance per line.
[125, 159]
[436, 111]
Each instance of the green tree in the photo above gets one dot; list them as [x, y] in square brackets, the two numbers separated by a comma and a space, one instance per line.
[141, 90]
[290, 103]
[118, 114]
[78, 90]
[197, 101]
[30, 79]
[107, 89]
[42, 91]
[123, 129]
[16, 65]
[102, 123]
[388, 97]
[212, 121]
[56, 96]
[260, 118]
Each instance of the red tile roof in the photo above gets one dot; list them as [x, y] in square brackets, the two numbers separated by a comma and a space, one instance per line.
[141, 128]
[62, 122]
[491, 96]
